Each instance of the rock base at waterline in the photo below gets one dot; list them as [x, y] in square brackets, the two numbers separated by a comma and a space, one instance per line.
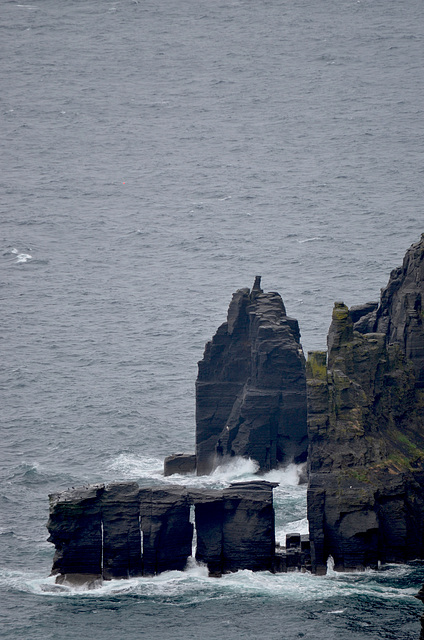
[121, 530]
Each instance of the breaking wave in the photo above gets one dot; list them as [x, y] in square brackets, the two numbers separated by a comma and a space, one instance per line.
[193, 585]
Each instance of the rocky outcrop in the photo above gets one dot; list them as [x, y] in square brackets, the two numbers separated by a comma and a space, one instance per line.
[400, 314]
[251, 388]
[248, 533]
[181, 463]
[366, 429]
[121, 530]
[75, 530]
[365, 426]
[235, 528]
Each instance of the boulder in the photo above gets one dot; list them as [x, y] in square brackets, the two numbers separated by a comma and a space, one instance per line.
[181, 463]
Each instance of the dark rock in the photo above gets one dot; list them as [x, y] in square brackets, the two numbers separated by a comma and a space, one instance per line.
[167, 530]
[305, 553]
[75, 530]
[293, 541]
[297, 553]
[359, 311]
[181, 463]
[121, 531]
[400, 314]
[248, 530]
[96, 532]
[280, 560]
[235, 527]
[209, 516]
[251, 390]
[366, 432]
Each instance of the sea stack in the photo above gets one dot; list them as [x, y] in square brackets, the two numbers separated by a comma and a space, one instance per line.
[104, 532]
[251, 386]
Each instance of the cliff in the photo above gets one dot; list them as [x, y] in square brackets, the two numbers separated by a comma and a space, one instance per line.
[366, 428]
[251, 386]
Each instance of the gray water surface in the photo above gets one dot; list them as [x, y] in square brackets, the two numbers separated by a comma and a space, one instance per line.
[155, 157]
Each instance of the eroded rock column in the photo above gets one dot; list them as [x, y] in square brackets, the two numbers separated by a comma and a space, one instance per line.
[75, 529]
[166, 527]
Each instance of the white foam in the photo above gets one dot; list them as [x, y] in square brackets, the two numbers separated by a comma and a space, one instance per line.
[309, 239]
[196, 569]
[330, 566]
[131, 466]
[287, 476]
[23, 257]
[296, 526]
[235, 469]
[193, 585]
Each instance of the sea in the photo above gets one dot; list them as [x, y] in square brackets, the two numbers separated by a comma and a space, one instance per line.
[155, 156]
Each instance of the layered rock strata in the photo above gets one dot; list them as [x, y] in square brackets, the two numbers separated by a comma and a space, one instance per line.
[251, 387]
[366, 429]
[400, 314]
[121, 530]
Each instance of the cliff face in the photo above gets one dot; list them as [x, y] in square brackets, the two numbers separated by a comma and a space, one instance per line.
[366, 428]
[400, 314]
[251, 387]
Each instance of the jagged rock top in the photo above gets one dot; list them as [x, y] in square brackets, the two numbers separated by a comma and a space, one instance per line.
[400, 313]
[251, 388]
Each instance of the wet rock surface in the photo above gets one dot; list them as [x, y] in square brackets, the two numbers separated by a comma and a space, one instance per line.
[75, 530]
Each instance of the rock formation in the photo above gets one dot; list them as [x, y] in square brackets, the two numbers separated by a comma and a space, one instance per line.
[366, 428]
[181, 463]
[235, 527]
[166, 528]
[400, 314]
[251, 388]
[121, 530]
[75, 530]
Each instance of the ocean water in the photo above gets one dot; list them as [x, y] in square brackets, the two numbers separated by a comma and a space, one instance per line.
[156, 156]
